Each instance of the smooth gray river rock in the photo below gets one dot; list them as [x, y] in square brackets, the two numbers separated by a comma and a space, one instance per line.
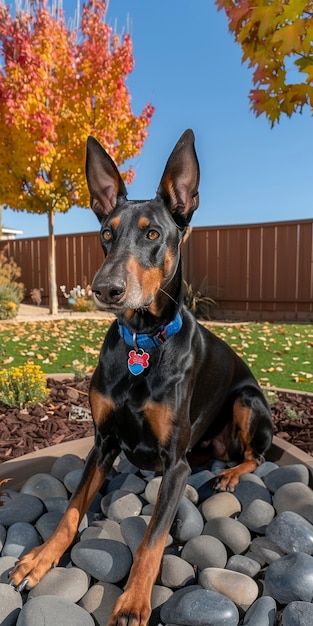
[6, 565]
[51, 610]
[120, 504]
[103, 529]
[65, 464]
[19, 507]
[47, 524]
[188, 522]
[290, 578]
[297, 472]
[205, 551]
[133, 530]
[247, 492]
[58, 505]
[44, 486]
[291, 532]
[104, 559]
[71, 479]
[251, 478]
[263, 612]
[265, 468]
[160, 594]
[200, 478]
[298, 614]
[231, 532]
[176, 572]
[10, 605]
[222, 504]
[152, 489]
[21, 538]
[194, 606]
[99, 601]
[239, 588]
[257, 515]
[296, 497]
[244, 565]
[265, 550]
[70, 583]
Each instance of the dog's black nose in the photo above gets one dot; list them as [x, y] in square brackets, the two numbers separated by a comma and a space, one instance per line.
[109, 292]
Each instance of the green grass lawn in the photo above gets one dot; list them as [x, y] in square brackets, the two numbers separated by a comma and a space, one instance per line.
[279, 355]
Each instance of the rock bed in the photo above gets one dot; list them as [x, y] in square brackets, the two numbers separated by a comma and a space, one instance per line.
[242, 558]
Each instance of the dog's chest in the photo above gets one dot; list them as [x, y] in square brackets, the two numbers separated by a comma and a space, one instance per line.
[142, 418]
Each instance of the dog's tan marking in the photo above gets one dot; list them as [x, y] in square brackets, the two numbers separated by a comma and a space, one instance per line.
[168, 262]
[143, 222]
[160, 418]
[228, 479]
[129, 313]
[187, 234]
[242, 419]
[149, 278]
[115, 222]
[101, 406]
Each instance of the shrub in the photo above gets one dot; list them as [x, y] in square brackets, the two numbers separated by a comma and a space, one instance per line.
[9, 301]
[197, 303]
[11, 291]
[23, 386]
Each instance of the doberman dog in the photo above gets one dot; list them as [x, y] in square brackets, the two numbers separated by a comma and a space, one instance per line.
[166, 391]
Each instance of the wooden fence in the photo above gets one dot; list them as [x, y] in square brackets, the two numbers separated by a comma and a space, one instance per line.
[261, 272]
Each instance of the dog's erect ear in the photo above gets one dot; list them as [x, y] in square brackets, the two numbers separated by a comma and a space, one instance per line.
[180, 180]
[103, 178]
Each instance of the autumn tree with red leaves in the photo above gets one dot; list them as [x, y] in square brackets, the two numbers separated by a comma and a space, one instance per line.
[276, 37]
[57, 86]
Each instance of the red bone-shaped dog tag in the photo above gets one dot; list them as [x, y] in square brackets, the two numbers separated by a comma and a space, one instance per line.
[138, 361]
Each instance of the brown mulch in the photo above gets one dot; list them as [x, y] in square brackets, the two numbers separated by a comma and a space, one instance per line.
[47, 424]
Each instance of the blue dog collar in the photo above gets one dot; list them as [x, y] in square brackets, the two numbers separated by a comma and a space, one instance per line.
[144, 341]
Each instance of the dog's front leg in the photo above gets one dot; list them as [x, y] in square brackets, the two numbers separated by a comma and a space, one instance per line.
[29, 570]
[133, 608]
[36, 563]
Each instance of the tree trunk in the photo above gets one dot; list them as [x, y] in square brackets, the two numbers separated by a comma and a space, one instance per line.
[53, 297]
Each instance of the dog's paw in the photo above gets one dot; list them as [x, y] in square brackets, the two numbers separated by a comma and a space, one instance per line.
[29, 570]
[227, 480]
[129, 611]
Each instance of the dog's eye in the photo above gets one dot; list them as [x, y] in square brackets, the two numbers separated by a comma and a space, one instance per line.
[106, 234]
[153, 235]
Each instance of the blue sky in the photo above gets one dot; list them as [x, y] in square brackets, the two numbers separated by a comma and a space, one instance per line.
[188, 66]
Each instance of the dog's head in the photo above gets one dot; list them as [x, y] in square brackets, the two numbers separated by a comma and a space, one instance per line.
[140, 239]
